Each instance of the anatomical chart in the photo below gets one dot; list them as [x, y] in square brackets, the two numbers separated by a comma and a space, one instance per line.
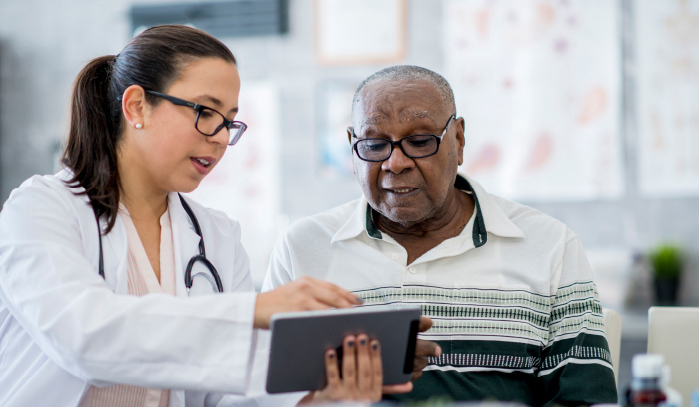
[667, 78]
[335, 115]
[538, 85]
[246, 183]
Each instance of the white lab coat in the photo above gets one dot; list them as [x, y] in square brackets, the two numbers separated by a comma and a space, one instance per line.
[64, 328]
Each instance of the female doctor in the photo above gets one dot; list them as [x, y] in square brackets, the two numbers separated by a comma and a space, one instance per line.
[115, 290]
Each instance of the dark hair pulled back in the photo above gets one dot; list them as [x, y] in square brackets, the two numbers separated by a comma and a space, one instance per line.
[153, 60]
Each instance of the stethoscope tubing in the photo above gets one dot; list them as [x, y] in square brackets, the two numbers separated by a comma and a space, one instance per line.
[201, 257]
[202, 252]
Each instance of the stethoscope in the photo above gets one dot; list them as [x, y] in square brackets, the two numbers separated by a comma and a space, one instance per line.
[201, 257]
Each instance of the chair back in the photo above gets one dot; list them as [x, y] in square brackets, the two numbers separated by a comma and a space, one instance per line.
[674, 333]
[612, 329]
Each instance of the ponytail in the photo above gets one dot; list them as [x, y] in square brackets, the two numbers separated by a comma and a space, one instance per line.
[153, 60]
[90, 151]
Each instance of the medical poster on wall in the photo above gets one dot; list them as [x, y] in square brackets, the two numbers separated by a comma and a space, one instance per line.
[538, 84]
[334, 116]
[360, 31]
[667, 86]
[246, 183]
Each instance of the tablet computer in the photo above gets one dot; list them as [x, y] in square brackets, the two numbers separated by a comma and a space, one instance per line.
[300, 339]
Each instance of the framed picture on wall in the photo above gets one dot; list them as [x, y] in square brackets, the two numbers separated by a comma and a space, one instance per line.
[360, 31]
[335, 115]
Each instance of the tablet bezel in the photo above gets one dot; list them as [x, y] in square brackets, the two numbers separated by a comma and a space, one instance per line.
[299, 341]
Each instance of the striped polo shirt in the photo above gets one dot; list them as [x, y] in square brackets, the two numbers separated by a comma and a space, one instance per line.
[512, 298]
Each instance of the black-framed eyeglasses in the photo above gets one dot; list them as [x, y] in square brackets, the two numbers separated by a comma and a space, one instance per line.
[415, 146]
[209, 121]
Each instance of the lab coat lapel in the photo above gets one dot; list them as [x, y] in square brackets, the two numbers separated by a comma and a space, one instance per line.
[185, 240]
[115, 247]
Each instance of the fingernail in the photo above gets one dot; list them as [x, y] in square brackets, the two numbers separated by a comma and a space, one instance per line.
[359, 300]
[375, 346]
[350, 344]
[331, 355]
[362, 342]
[439, 350]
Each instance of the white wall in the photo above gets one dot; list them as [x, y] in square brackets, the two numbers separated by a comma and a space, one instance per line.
[44, 44]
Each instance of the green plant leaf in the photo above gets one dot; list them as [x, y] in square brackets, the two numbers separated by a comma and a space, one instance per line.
[667, 261]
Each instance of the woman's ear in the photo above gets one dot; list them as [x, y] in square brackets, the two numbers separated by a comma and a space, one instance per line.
[133, 104]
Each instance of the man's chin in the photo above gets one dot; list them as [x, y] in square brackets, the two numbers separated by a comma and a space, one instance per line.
[405, 217]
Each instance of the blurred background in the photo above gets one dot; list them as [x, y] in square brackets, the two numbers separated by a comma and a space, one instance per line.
[585, 109]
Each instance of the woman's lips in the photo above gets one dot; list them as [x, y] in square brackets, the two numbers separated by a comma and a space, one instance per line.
[202, 164]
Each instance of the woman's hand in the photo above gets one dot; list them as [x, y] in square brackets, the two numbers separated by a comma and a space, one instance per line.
[304, 294]
[362, 374]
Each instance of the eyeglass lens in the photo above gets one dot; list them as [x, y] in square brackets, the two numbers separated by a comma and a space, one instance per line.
[210, 122]
[413, 146]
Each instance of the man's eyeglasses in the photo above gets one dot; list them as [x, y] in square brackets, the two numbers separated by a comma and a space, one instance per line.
[209, 121]
[416, 146]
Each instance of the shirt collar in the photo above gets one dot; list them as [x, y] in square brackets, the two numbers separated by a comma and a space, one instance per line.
[359, 221]
[490, 218]
[493, 216]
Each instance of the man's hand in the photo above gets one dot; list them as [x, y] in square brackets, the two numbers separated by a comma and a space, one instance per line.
[304, 294]
[424, 349]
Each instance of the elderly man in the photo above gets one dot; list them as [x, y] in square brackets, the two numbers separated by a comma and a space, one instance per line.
[509, 289]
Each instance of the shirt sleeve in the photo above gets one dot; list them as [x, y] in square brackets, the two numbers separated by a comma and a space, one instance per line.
[278, 273]
[53, 290]
[280, 270]
[576, 366]
[256, 395]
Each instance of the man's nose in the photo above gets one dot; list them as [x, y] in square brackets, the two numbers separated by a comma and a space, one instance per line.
[397, 162]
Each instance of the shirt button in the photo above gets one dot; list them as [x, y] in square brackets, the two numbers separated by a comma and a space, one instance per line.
[394, 256]
[412, 270]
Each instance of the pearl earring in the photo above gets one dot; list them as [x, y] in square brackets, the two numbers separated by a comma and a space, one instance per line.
[139, 126]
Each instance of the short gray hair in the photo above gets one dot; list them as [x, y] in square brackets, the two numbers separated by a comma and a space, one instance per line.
[410, 73]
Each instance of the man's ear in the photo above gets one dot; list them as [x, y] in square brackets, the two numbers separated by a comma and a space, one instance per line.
[133, 104]
[350, 132]
[460, 138]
